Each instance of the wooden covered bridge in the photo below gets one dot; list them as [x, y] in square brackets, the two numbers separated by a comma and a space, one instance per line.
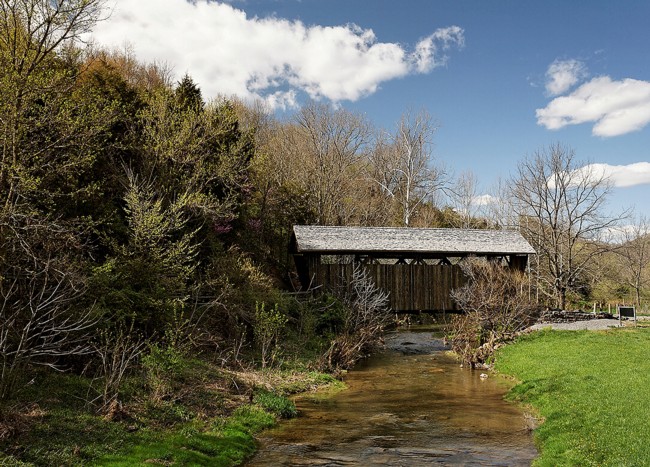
[418, 267]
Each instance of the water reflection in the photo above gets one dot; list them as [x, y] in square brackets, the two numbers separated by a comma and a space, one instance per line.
[403, 410]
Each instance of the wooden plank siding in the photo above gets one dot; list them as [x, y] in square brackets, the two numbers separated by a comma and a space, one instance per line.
[324, 256]
[412, 287]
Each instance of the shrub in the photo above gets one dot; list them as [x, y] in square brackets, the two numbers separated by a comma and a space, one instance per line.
[496, 306]
[269, 325]
[163, 364]
[366, 313]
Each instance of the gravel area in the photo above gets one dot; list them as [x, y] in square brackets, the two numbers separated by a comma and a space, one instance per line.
[414, 342]
[592, 325]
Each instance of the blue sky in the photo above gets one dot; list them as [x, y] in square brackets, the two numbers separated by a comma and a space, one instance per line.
[503, 78]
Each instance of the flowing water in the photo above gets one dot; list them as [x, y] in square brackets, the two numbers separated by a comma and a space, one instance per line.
[411, 405]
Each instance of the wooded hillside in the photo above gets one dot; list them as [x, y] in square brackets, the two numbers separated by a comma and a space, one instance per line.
[135, 210]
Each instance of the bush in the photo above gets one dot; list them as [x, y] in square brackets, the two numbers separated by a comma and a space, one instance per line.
[496, 306]
[332, 316]
[163, 364]
[269, 325]
[366, 313]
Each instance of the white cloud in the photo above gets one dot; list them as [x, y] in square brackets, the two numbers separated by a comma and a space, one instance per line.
[426, 51]
[619, 175]
[226, 52]
[563, 74]
[484, 200]
[616, 107]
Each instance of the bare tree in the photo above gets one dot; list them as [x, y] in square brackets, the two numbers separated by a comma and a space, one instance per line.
[367, 313]
[560, 202]
[499, 207]
[332, 142]
[635, 256]
[495, 307]
[404, 167]
[464, 196]
[146, 76]
[39, 288]
[117, 351]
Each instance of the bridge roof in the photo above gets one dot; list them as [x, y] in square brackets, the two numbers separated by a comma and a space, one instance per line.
[408, 240]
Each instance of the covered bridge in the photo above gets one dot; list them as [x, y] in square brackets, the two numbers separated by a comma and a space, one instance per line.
[418, 267]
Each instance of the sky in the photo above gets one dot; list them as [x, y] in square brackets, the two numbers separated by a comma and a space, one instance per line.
[502, 78]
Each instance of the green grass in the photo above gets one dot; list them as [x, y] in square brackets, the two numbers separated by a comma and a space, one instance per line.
[590, 388]
[67, 433]
[63, 431]
[204, 424]
[228, 443]
[276, 404]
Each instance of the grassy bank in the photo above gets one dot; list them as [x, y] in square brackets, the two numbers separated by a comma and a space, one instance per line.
[209, 416]
[590, 389]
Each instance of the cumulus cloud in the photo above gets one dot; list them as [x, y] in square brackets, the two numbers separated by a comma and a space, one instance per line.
[227, 52]
[563, 74]
[616, 107]
[619, 175]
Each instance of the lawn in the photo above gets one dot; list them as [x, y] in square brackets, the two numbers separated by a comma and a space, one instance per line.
[591, 391]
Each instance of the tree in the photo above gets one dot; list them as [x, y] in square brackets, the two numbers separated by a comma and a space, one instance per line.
[464, 196]
[635, 256]
[51, 125]
[146, 284]
[279, 199]
[197, 151]
[188, 94]
[366, 314]
[403, 165]
[40, 285]
[36, 54]
[500, 211]
[332, 143]
[560, 202]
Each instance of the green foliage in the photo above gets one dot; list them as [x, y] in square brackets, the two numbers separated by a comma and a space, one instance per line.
[134, 204]
[307, 381]
[268, 328]
[163, 365]
[191, 429]
[331, 319]
[58, 430]
[589, 388]
[275, 404]
[146, 282]
[188, 94]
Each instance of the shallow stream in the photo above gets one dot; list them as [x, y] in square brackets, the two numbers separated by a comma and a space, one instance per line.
[410, 405]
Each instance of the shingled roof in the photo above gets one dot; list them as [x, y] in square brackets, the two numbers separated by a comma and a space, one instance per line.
[390, 240]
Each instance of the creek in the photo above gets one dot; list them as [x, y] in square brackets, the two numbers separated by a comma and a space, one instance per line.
[409, 405]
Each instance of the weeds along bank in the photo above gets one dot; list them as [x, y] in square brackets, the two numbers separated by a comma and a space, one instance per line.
[186, 398]
[589, 391]
[174, 405]
[198, 413]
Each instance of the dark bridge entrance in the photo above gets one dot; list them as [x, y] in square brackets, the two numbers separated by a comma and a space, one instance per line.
[418, 267]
